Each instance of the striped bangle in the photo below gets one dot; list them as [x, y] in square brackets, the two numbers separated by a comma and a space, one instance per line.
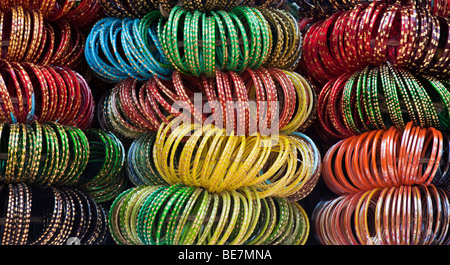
[188, 215]
[238, 160]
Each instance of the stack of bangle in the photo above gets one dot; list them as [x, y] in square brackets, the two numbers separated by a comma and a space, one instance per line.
[374, 33]
[31, 39]
[320, 8]
[246, 37]
[385, 158]
[146, 107]
[135, 52]
[42, 153]
[138, 8]
[382, 96]
[82, 13]
[51, 153]
[398, 215]
[32, 215]
[44, 93]
[276, 165]
[132, 8]
[181, 215]
[103, 177]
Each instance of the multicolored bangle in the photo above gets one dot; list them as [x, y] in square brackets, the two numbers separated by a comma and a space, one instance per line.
[372, 34]
[246, 107]
[29, 38]
[181, 215]
[51, 153]
[380, 97]
[83, 13]
[246, 40]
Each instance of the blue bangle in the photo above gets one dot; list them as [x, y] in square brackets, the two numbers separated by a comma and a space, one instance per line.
[130, 57]
[92, 54]
[131, 54]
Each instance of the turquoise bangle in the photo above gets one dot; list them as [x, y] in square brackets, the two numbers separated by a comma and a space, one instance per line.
[131, 55]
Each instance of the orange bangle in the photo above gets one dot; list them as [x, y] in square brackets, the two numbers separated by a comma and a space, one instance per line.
[384, 158]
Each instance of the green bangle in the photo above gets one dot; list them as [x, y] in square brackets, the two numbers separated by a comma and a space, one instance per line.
[233, 49]
[177, 235]
[192, 228]
[244, 53]
[107, 182]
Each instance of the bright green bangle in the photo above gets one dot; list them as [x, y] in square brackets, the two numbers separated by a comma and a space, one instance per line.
[444, 96]
[113, 218]
[404, 94]
[144, 212]
[154, 209]
[266, 37]
[361, 89]
[374, 99]
[246, 14]
[244, 53]
[187, 41]
[222, 50]
[175, 216]
[161, 233]
[184, 215]
[346, 106]
[392, 99]
[233, 49]
[37, 146]
[211, 215]
[63, 153]
[108, 181]
[192, 228]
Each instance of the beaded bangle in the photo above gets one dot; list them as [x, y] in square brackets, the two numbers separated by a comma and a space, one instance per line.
[185, 215]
